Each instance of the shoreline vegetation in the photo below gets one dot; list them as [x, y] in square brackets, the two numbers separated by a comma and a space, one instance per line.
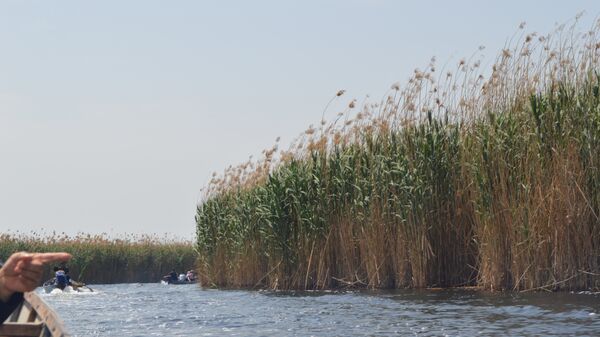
[465, 176]
[100, 259]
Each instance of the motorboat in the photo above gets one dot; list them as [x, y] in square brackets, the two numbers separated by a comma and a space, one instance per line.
[50, 286]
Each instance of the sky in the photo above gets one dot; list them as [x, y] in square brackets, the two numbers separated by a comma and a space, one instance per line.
[114, 114]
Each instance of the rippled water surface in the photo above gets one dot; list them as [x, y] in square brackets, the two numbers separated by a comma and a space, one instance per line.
[187, 310]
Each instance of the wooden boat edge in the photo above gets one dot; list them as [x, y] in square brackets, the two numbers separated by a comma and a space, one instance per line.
[34, 317]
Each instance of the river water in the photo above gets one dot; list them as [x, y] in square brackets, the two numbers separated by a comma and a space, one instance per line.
[187, 310]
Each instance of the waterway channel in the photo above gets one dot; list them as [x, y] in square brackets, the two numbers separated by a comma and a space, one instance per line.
[188, 310]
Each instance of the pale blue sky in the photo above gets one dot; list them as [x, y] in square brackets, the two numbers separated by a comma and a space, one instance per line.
[113, 114]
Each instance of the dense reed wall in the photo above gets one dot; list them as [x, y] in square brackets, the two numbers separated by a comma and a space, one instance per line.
[458, 179]
[97, 259]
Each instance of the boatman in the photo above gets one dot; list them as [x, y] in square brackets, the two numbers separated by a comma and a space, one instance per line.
[60, 278]
[22, 272]
[170, 277]
[173, 276]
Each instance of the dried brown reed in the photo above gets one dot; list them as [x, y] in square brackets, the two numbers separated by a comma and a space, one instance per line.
[459, 178]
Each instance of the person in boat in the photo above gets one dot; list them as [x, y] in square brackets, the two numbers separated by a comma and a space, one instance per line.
[69, 281]
[72, 282]
[61, 279]
[22, 272]
[190, 276]
[173, 276]
[170, 277]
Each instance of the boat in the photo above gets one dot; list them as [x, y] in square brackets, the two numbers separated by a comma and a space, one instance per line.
[33, 318]
[173, 278]
[178, 282]
[50, 286]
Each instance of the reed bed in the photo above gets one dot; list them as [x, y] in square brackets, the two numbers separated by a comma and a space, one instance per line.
[99, 259]
[463, 177]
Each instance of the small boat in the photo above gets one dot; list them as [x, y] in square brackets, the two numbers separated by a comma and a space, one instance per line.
[50, 286]
[173, 278]
[33, 318]
[178, 282]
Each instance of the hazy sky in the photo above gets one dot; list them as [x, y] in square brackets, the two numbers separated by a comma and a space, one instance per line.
[114, 114]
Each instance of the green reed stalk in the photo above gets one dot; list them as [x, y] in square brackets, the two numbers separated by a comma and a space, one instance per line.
[97, 259]
[454, 181]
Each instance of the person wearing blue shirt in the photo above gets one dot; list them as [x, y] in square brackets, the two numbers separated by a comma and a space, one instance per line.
[60, 279]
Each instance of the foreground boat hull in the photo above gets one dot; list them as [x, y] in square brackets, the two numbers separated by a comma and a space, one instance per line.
[33, 318]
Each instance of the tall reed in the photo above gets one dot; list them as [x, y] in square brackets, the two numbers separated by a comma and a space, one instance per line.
[457, 179]
[98, 259]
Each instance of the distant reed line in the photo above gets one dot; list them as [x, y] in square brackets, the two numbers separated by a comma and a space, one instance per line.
[456, 179]
[98, 259]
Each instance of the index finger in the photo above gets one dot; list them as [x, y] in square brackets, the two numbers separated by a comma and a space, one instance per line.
[51, 257]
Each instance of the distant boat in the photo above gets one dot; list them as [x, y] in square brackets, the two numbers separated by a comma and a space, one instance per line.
[178, 282]
[50, 286]
[33, 318]
[172, 278]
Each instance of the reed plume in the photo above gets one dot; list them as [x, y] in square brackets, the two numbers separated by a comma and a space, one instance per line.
[463, 177]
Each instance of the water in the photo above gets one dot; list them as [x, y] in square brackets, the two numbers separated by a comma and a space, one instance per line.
[187, 310]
